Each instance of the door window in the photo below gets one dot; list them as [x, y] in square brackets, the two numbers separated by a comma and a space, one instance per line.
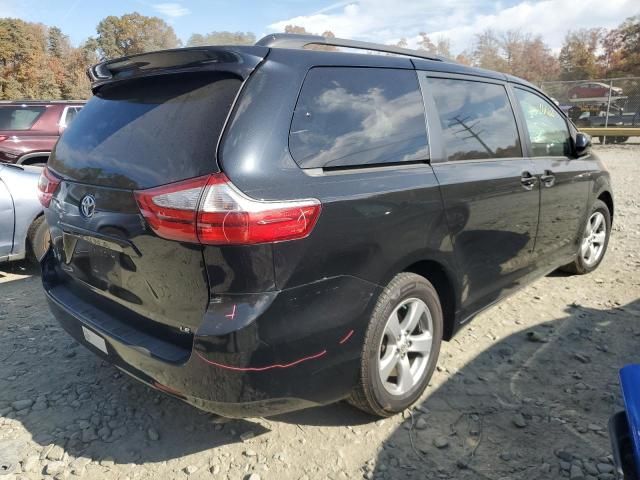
[476, 119]
[71, 114]
[546, 126]
[358, 116]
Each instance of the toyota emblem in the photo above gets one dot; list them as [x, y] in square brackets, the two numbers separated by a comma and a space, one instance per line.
[87, 206]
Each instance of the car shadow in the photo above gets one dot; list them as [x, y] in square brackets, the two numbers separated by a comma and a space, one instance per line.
[85, 405]
[334, 415]
[529, 406]
[108, 417]
[557, 273]
[21, 267]
[562, 385]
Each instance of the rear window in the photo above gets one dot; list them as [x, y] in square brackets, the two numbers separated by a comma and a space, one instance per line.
[147, 132]
[358, 116]
[18, 117]
[476, 119]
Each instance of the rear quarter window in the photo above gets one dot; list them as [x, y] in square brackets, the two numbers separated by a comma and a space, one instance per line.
[358, 116]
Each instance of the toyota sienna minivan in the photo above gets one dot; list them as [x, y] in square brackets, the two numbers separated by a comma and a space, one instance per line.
[259, 229]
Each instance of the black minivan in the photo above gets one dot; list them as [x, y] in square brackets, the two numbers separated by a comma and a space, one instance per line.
[259, 229]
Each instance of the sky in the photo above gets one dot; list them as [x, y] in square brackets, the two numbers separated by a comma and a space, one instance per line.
[383, 21]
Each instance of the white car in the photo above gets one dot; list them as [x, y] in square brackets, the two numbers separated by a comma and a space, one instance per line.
[23, 231]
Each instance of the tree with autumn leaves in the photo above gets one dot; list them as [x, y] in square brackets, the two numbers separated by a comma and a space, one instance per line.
[221, 38]
[513, 52]
[37, 61]
[585, 54]
[133, 33]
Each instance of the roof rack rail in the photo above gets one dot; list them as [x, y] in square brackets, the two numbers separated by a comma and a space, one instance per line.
[298, 41]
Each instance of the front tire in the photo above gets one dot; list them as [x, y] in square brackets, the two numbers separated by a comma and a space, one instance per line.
[401, 346]
[594, 242]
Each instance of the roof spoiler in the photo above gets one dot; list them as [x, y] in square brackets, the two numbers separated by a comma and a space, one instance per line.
[233, 59]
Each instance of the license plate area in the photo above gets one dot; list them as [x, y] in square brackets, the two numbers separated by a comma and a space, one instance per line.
[92, 261]
[95, 340]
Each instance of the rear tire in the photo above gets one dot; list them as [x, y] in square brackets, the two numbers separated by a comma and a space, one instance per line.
[38, 240]
[410, 307]
[584, 263]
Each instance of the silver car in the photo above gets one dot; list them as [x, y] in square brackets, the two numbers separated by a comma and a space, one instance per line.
[23, 231]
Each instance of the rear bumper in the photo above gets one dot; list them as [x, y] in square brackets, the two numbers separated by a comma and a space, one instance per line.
[280, 351]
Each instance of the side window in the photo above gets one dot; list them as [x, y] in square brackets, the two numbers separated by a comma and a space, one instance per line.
[19, 117]
[547, 128]
[476, 119]
[71, 114]
[358, 116]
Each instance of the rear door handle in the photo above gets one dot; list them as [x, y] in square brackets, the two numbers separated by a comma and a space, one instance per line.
[548, 179]
[527, 180]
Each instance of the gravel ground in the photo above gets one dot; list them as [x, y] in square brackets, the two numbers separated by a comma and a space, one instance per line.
[523, 392]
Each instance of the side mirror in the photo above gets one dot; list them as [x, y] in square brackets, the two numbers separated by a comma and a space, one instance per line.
[582, 144]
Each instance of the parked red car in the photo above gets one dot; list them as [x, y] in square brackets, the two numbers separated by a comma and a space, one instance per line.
[593, 90]
[29, 129]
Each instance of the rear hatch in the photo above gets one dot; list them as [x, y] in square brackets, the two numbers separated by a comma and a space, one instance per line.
[155, 119]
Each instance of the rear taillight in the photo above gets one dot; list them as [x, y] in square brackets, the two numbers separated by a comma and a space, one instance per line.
[211, 210]
[171, 209]
[47, 186]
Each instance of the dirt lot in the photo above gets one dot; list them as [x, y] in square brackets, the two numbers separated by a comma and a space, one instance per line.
[504, 403]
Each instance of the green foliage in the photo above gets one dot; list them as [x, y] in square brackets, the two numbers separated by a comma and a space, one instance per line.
[39, 62]
[622, 49]
[578, 56]
[11, 88]
[33, 61]
[133, 33]
[57, 43]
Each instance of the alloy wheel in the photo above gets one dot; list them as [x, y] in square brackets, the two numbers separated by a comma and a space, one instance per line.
[594, 238]
[405, 346]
